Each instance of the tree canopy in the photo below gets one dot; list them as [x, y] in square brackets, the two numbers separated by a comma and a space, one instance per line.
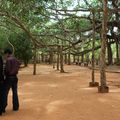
[50, 23]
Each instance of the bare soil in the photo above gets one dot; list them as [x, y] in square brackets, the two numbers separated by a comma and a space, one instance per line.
[51, 95]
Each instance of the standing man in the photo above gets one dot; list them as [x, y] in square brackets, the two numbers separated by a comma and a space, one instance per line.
[11, 81]
[1, 85]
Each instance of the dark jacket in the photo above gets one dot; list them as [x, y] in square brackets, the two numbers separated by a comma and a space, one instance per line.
[1, 69]
[12, 66]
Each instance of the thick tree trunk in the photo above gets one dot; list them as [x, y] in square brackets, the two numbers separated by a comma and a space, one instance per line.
[103, 85]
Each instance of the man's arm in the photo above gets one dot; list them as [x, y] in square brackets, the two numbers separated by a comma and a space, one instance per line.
[1, 65]
[7, 67]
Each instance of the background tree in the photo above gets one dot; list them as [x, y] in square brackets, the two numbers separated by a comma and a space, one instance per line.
[23, 47]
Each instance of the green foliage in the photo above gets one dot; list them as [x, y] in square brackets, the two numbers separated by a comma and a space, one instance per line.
[23, 47]
[3, 40]
[51, 22]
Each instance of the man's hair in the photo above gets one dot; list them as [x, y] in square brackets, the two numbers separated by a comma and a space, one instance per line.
[7, 51]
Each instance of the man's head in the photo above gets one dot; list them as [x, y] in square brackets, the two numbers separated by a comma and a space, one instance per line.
[7, 52]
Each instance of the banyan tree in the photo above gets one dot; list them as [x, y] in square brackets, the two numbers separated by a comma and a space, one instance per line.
[63, 29]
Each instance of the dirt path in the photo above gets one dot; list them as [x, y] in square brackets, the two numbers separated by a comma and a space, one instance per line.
[54, 96]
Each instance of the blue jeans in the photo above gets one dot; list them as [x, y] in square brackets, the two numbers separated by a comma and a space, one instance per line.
[11, 82]
[1, 97]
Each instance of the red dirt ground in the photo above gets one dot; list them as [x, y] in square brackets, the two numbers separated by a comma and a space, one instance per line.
[51, 95]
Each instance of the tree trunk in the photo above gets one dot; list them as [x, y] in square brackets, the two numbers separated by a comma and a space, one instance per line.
[103, 85]
[82, 58]
[25, 63]
[93, 83]
[87, 58]
[35, 59]
[51, 57]
[110, 59]
[69, 58]
[74, 59]
[65, 58]
[61, 60]
[93, 50]
[78, 59]
[117, 52]
[58, 58]
[42, 57]
[54, 60]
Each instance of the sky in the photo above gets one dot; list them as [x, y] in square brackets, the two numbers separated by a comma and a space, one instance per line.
[74, 4]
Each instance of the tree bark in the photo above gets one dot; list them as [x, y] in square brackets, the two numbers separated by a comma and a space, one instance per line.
[119, 53]
[74, 59]
[51, 57]
[110, 58]
[35, 61]
[103, 47]
[61, 60]
[78, 60]
[69, 58]
[42, 57]
[54, 61]
[58, 58]
[82, 58]
[93, 50]
[65, 58]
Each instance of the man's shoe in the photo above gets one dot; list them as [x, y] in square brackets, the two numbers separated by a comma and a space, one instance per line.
[15, 109]
[3, 111]
[0, 114]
